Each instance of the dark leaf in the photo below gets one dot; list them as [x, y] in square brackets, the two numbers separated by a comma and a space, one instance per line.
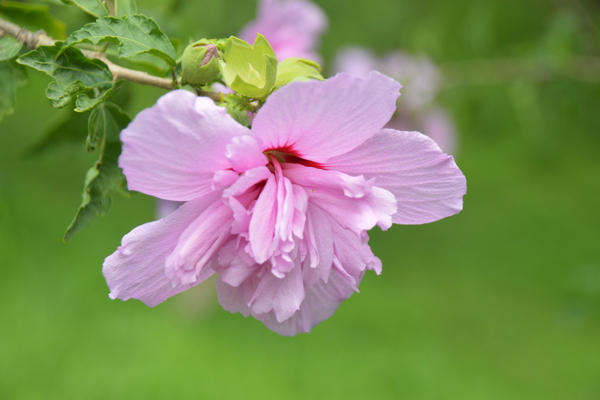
[136, 34]
[74, 74]
[105, 124]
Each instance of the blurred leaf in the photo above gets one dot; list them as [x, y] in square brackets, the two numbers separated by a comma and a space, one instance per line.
[9, 47]
[238, 114]
[71, 129]
[97, 8]
[33, 17]
[135, 34]
[125, 7]
[12, 75]
[73, 73]
[105, 124]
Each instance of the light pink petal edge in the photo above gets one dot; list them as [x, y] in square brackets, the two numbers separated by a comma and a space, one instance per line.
[137, 269]
[173, 149]
[427, 184]
[322, 119]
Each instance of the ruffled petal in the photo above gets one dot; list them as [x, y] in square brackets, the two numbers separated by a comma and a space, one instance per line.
[262, 224]
[245, 153]
[352, 200]
[137, 269]
[319, 246]
[199, 243]
[283, 296]
[173, 149]
[426, 183]
[236, 298]
[232, 269]
[320, 302]
[316, 120]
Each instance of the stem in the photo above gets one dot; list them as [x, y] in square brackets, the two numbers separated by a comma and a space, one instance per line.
[39, 38]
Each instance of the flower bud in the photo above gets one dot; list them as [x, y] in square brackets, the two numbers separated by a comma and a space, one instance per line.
[200, 63]
[250, 70]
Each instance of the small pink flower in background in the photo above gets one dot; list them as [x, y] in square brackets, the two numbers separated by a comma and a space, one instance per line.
[421, 83]
[292, 27]
[280, 212]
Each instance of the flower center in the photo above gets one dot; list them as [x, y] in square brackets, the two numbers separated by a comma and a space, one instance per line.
[287, 154]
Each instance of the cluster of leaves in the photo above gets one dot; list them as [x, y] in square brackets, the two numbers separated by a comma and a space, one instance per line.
[81, 76]
[83, 81]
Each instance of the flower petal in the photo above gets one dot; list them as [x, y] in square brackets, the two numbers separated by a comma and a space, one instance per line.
[321, 119]
[173, 149]
[199, 243]
[245, 153]
[236, 298]
[262, 224]
[137, 269]
[319, 242]
[427, 183]
[320, 302]
[232, 269]
[283, 296]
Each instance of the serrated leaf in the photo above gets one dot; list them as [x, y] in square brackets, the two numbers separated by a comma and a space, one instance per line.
[9, 48]
[86, 103]
[60, 94]
[33, 17]
[12, 75]
[136, 34]
[105, 124]
[125, 7]
[70, 129]
[96, 8]
[73, 73]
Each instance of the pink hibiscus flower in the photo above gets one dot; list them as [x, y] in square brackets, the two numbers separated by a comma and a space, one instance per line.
[279, 211]
[292, 27]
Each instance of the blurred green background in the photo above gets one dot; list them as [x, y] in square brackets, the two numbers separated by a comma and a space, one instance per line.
[501, 301]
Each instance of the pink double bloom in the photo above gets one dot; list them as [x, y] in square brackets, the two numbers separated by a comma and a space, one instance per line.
[279, 211]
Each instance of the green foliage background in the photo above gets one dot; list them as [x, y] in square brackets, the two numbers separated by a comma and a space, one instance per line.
[499, 302]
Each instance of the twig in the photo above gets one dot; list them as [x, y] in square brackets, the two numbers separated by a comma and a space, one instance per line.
[39, 38]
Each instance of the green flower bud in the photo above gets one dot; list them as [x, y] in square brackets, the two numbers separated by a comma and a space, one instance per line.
[200, 62]
[249, 70]
[297, 69]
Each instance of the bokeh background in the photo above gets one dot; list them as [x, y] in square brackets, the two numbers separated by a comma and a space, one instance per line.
[501, 301]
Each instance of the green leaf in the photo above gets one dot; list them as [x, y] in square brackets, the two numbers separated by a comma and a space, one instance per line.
[70, 129]
[136, 34]
[125, 7]
[33, 17]
[97, 8]
[86, 103]
[105, 124]
[9, 48]
[74, 74]
[12, 75]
